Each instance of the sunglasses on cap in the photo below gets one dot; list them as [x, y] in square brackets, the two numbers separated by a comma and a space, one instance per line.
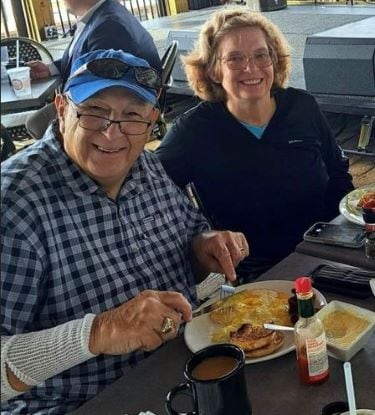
[114, 69]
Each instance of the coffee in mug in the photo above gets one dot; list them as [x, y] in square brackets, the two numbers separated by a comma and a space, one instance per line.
[216, 382]
[214, 367]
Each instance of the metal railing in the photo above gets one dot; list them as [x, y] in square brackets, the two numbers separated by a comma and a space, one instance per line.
[141, 9]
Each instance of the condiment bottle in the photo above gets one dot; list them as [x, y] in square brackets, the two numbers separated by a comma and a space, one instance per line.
[310, 338]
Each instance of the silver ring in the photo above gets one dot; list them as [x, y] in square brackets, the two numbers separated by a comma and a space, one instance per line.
[167, 326]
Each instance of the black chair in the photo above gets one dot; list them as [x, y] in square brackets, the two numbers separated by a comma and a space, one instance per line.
[29, 49]
[7, 146]
[167, 63]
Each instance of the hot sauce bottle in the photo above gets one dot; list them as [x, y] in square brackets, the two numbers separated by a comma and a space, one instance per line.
[368, 210]
[310, 338]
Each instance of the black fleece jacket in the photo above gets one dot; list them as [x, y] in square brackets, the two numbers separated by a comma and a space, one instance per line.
[271, 189]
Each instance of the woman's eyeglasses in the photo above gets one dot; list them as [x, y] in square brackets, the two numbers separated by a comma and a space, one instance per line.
[240, 61]
[115, 69]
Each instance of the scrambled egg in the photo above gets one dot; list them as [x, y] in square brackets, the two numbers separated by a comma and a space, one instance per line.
[249, 306]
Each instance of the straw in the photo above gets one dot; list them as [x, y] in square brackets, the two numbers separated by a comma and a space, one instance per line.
[350, 388]
[17, 53]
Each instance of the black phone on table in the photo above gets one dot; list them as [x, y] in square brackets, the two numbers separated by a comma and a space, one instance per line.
[334, 234]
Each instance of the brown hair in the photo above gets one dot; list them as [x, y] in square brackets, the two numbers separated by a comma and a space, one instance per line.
[202, 59]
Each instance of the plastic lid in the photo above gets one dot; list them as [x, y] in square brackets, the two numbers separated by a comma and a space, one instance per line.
[303, 285]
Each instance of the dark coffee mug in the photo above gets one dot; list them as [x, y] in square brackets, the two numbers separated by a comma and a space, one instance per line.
[335, 408]
[216, 382]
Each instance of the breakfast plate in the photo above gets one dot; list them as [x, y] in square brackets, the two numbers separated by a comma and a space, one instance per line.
[348, 204]
[199, 331]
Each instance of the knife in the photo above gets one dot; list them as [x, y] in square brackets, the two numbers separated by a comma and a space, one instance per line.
[204, 310]
[225, 291]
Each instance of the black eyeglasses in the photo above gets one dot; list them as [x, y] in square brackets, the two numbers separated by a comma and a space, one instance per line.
[97, 123]
[114, 69]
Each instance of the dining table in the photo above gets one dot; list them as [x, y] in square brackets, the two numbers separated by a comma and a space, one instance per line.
[41, 89]
[350, 256]
[273, 385]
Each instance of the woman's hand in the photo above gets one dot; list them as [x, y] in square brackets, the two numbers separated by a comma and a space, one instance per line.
[220, 251]
[137, 324]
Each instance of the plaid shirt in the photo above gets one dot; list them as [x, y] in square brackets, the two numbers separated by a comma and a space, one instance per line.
[69, 250]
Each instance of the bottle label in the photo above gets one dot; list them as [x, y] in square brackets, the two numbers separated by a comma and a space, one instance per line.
[317, 358]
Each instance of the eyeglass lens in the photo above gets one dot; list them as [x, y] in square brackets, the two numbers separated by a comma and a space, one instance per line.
[108, 68]
[240, 61]
[115, 69]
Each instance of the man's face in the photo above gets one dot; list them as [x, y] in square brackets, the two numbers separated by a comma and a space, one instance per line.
[106, 156]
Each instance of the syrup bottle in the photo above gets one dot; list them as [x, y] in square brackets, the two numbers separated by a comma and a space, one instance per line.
[310, 338]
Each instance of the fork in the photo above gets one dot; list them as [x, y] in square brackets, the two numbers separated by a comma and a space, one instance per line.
[226, 291]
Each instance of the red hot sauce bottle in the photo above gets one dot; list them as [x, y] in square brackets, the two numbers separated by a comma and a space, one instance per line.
[310, 338]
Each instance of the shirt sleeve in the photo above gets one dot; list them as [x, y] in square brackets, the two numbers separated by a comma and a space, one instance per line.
[340, 180]
[173, 153]
[53, 69]
[22, 275]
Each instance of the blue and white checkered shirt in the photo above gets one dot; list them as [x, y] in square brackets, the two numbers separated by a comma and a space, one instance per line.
[69, 250]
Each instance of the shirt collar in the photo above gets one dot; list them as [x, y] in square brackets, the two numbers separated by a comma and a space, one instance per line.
[87, 16]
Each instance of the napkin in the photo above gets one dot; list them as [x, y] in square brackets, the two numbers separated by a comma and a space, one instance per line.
[348, 281]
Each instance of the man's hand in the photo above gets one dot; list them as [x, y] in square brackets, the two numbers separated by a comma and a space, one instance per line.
[220, 251]
[136, 324]
[39, 70]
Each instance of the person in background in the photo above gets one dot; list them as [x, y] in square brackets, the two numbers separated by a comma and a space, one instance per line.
[262, 156]
[100, 250]
[102, 24]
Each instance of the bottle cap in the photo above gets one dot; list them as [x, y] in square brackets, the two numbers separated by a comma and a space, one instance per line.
[303, 285]
[368, 211]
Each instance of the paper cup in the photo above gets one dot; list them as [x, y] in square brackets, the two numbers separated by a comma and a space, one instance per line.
[21, 82]
[362, 412]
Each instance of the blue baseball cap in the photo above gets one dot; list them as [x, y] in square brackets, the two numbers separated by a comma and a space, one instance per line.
[83, 84]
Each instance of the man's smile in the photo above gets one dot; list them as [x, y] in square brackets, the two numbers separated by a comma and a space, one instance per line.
[109, 150]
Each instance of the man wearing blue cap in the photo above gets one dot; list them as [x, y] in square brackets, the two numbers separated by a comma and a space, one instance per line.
[101, 252]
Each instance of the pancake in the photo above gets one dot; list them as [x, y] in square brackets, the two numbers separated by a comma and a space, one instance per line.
[257, 341]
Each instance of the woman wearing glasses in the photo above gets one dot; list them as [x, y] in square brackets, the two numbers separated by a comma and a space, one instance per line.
[261, 156]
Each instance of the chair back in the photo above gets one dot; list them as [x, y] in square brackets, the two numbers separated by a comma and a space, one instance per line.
[167, 63]
[29, 49]
[7, 147]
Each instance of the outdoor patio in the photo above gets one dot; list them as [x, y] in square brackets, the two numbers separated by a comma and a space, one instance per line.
[297, 23]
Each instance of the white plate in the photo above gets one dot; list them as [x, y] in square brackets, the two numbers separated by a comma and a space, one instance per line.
[348, 205]
[199, 331]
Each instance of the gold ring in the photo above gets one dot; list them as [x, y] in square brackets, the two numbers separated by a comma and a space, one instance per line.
[242, 249]
[167, 326]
